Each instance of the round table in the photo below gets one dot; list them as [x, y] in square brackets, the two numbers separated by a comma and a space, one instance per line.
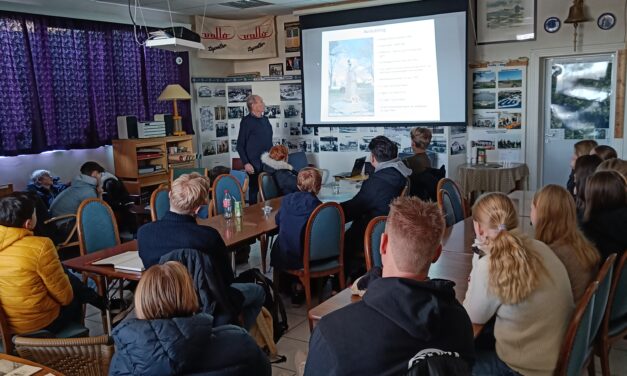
[44, 370]
[348, 190]
[492, 177]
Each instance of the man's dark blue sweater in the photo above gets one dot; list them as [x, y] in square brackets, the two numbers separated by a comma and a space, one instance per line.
[255, 138]
[177, 231]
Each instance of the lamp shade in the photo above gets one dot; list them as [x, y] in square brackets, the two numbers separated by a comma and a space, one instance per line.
[174, 91]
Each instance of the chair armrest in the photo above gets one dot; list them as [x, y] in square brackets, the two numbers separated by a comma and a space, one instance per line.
[59, 218]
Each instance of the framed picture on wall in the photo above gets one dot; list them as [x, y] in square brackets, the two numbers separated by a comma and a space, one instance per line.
[276, 69]
[500, 21]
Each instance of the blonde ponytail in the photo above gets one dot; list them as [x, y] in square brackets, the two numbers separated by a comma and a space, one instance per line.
[514, 271]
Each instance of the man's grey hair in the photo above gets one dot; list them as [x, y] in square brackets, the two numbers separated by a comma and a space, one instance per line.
[252, 99]
[38, 174]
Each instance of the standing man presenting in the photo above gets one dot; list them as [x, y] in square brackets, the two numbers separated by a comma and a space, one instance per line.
[255, 138]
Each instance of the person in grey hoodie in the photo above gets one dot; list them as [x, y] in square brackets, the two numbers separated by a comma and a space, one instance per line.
[374, 197]
[84, 185]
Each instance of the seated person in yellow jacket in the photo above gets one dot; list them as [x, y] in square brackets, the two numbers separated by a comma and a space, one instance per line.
[35, 291]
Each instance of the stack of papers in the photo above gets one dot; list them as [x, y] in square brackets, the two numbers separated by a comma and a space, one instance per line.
[124, 261]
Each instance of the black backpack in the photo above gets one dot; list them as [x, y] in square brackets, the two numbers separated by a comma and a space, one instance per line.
[273, 303]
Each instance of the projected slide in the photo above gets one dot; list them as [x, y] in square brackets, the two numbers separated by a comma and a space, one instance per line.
[380, 72]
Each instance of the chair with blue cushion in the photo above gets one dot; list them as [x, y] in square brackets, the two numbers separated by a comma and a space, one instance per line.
[298, 160]
[614, 325]
[323, 253]
[372, 241]
[159, 203]
[457, 199]
[175, 172]
[572, 355]
[446, 206]
[220, 184]
[268, 188]
[242, 178]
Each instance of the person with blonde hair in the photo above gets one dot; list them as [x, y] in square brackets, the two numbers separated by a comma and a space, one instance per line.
[605, 216]
[401, 313]
[554, 218]
[178, 230]
[170, 337]
[583, 147]
[275, 163]
[521, 283]
[614, 164]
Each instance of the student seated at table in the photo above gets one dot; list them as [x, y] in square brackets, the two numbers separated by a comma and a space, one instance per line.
[275, 163]
[374, 197]
[169, 337]
[554, 219]
[521, 285]
[401, 313]
[35, 291]
[604, 152]
[605, 217]
[45, 186]
[178, 230]
[424, 179]
[585, 166]
[84, 185]
[292, 217]
[583, 147]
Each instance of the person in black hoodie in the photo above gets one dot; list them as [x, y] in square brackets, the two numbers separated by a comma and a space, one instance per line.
[178, 230]
[169, 337]
[605, 215]
[401, 313]
[275, 163]
[374, 197]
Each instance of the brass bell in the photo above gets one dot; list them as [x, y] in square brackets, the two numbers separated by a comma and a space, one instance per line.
[576, 13]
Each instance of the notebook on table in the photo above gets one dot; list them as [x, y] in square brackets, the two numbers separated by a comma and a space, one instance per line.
[124, 261]
[356, 171]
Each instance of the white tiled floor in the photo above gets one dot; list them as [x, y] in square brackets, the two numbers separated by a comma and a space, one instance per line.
[297, 337]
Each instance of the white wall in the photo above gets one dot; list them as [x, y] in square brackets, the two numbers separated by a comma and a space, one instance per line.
[591, 39]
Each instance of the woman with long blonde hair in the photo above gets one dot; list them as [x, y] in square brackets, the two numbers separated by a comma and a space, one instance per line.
[522, 284]
[554, 219]
[169, 337]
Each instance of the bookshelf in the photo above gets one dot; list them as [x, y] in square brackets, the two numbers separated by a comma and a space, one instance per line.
[143, 164]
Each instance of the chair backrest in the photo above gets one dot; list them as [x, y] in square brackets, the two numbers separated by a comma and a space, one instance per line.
[97, 227]
[225, 182]
[70, 356]
[298, 160]
[324, 234]
[407, 190]
[575, 346]
[159, 202]
[445, 204]
[5, 333]
[457, 199]
[372, 241]
[237, 164]
[604, 277]
[616, 310]
[242, 178]
[267, 187]
[176, 172]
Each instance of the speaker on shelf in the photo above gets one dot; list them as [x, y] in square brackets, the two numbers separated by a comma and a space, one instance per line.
[169, 123]
[127, 127]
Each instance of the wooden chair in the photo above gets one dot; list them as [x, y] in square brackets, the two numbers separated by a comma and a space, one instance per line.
[614, 325]
[73, 356]
[97, 229]
[6, 190]
[71, 240]
[572, 356]
[457, 198]
[222, 183]
[446, 206]
[323, 253]
[372, 241]
[406, 191]
[267, 187]
[159, 202]
[176, 172]
[242, 178]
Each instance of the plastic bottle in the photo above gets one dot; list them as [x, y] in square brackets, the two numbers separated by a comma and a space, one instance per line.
[227, 205]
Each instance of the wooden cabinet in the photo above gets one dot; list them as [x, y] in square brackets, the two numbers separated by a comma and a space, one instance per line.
[143, 164]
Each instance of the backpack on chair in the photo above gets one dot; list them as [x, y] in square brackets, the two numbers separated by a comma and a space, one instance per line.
[273, 303]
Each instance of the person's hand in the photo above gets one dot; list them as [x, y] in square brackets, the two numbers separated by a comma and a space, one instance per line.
[249, 168]
[99, 191]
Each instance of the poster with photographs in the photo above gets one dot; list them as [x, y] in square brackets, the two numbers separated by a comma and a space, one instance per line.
[484, 100]
[484, 80]
[458, 145]
[316, 145]
[276, 141]
[329, 144]
[348, 143]
[291, 92]
[510, 120]
[293, 63]
[208, 148]
[222, 129]
[219, 91]
[234, 145]
[487, 143]
[509, 142]
[484, 120]
[220, 112]
[292, 144]
[364, 141]
[239, 93]
[273, 111]
[292, 36]
[236, 112]
[294, 128]
[292, 110]
[510, 99]
[305, 145]
[222, 146]
[233, 128]
[402, 137]
[510, 78]
[206, 119]
[205, 91]
[307, 131]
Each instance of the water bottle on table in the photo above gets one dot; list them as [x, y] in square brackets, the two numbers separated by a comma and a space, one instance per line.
[227, 205]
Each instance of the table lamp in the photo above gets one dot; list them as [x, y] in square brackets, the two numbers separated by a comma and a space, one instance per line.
[174, 92]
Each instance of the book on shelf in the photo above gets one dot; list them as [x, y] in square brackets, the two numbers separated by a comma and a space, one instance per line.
[124, 261]
[141, 156]
[149, 150]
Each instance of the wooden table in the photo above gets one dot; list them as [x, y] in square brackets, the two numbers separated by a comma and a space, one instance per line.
[84, 263]
[44, 370]
[348, 190]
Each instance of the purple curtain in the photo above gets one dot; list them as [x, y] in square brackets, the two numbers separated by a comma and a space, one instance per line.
[65, 81]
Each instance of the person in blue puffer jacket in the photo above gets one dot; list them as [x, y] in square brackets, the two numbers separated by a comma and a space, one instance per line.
[168, 338]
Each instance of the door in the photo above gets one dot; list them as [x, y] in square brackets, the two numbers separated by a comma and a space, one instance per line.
[578, 105]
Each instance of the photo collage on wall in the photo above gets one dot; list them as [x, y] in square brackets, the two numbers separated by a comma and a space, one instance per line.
[498, 103]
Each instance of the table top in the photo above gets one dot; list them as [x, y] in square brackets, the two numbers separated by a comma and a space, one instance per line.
[491, 166]
[84, 263]
[348, 190]
[44, 370]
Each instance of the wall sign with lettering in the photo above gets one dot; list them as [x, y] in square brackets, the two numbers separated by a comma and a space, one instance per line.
[237, 39]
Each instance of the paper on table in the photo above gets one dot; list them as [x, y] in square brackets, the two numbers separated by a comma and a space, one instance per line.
[126, 261]
[10, 368]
